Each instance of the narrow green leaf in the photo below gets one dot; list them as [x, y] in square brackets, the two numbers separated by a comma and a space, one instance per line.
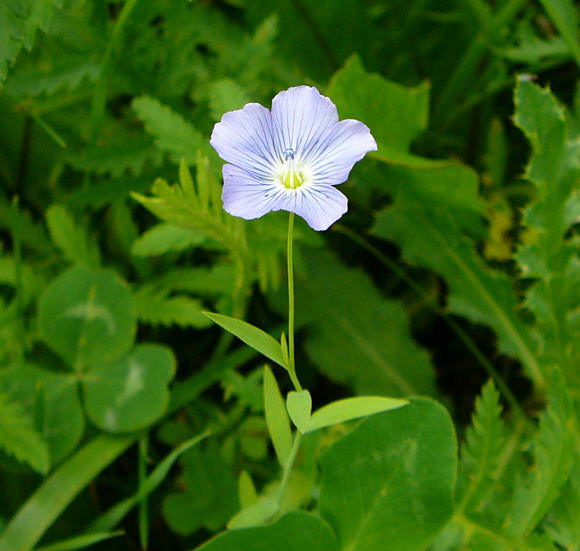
[276, 417]
[246, 490]
[256, 514]
[564, 15]
[56, 492]
[80, 542]
[256, 338]
[349, 409]
[299, 406]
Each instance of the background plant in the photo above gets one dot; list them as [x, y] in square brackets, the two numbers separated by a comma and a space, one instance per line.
[126, 419]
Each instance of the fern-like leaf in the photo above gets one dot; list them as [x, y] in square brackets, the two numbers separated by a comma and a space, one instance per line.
[483, 445]
[553, 452]
[19, 21]
[18, 436]
[172, 133]
[71, 238]
[165, 238]
[156, 308]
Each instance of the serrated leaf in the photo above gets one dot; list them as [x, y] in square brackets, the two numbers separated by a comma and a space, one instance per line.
[276, 417]
[253, 336]
[358, 338]
[484, 442]
[432, 238]
[299, 405]
[349, 409]
[548, 254]
[159, 308]
[553, 453]
[18, 437]
[226, 95]
[19, 21]
[172, 133]
[396, 115]
[52, 400]
[71, 238]
[164, 238]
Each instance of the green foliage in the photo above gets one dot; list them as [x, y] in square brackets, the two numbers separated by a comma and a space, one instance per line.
[253, 336]
[548, 255]
[391, 479]
[276, 417]
[131, 393]
[76, 246]
[165, 238]
[172, 133]
[20, 21]
[210, 496]
[359, 337]
[293, 532]
[86, 316]
[18, 437]
[457, 258]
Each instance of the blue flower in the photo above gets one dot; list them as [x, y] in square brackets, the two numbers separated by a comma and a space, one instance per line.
[290, 158]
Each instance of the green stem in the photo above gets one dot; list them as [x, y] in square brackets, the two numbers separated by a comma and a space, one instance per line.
[288, 467]
[291, 361]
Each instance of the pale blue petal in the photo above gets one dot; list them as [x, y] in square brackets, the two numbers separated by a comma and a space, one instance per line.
[245, 195]
[246, 138]
[301, 116]
[321, 206]
[333, 157]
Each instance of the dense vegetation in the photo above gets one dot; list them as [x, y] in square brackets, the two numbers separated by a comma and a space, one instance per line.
[129, 420]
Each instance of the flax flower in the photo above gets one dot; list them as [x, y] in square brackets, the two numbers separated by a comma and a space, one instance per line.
[290, 158]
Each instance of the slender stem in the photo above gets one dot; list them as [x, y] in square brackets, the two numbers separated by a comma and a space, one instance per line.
[292, 365]
[143, 505]
[288, 467]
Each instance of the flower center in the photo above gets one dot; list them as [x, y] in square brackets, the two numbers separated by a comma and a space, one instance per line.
[292, 176]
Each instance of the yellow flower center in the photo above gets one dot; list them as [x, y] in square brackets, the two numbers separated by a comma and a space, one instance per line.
[292, 176]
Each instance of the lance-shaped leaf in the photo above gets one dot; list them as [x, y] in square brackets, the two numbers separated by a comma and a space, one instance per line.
[253, 336]
[349, 409]
[276, 417]
[299, 406]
